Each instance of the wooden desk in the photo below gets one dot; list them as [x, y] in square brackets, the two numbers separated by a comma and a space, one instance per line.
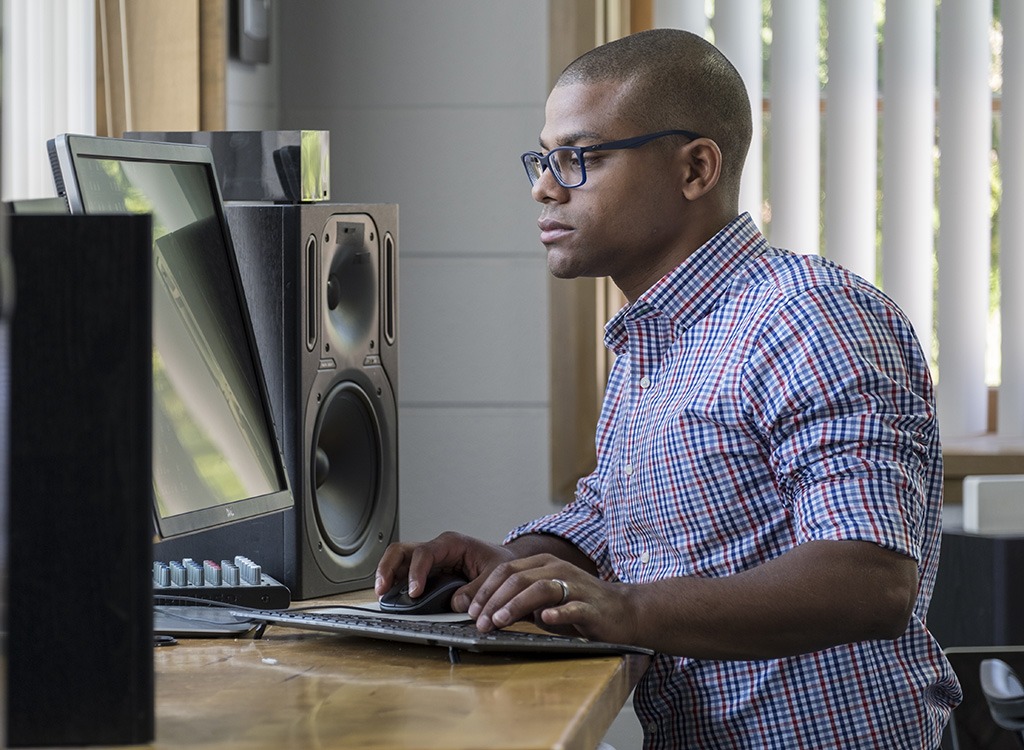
[311, 690]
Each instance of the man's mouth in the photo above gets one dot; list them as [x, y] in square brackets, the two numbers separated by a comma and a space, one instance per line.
[551, 231]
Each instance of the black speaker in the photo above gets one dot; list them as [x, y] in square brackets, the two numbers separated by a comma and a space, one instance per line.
[321, 283]
[6, 307]
[978, 598]
[80, 659]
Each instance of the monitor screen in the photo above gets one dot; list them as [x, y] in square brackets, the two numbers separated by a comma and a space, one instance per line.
[216, 458]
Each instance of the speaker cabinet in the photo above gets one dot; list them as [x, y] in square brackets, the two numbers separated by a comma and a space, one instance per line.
[321, 283]
[80, 659]
[978, 598]
[6, 306]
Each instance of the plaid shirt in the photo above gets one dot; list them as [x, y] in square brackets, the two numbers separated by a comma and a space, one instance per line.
[761, 399]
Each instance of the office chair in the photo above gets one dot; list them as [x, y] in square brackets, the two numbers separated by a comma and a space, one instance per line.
[1004, 694]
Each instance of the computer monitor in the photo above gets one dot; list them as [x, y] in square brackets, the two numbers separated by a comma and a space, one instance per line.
[216, 456]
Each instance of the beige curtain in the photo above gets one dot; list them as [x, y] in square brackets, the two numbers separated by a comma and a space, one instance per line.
[160, 65]
[580, 307]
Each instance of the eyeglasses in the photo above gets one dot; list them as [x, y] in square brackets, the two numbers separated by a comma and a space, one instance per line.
[568, 165]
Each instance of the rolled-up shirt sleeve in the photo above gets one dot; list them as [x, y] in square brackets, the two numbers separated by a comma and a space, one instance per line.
[835, 386]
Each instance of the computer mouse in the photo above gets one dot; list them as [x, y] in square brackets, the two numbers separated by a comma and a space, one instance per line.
[435, 599]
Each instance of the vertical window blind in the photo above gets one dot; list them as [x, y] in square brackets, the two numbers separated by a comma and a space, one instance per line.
[909, 171]
[1011, 223]
[49, 84]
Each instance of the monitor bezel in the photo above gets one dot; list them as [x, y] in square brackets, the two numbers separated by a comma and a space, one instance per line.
[65, 150]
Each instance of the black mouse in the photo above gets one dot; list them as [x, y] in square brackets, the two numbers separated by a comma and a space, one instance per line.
[435, 599]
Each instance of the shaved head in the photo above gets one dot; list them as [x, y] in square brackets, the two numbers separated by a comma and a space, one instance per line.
[676, 80]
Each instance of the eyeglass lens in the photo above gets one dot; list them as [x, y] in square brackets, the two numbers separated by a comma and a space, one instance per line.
[567, 165]
[564, 162]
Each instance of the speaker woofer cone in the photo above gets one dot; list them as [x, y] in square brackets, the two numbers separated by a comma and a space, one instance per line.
[345, 468]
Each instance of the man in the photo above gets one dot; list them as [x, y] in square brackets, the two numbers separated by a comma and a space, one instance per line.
[765, 509]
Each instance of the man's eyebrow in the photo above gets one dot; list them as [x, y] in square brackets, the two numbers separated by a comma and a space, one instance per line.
[571, 139]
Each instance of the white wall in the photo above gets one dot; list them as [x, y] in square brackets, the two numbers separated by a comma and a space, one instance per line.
[253, 90]
[429, 103]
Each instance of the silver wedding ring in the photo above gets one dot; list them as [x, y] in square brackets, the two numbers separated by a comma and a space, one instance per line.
[565, 589]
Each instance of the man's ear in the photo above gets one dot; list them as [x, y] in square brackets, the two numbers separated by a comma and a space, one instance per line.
[702, 167]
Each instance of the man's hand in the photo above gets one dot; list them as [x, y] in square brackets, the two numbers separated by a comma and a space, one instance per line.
[559, 596]
[531, 578]
[518, 579]
[449, 551]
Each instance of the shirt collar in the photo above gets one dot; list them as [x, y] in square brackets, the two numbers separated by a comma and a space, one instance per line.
[690, 290]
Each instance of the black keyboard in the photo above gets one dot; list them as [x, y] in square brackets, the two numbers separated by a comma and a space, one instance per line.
[238, 582]
[456, 635]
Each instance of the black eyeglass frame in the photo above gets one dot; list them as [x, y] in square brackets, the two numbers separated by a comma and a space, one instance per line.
[544, 160]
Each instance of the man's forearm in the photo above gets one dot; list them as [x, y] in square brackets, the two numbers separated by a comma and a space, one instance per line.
[817, 595]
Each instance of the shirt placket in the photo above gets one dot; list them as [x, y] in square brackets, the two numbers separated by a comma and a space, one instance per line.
[646, 341]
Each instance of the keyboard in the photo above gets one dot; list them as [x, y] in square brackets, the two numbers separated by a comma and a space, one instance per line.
[455, 635]
[239, 582]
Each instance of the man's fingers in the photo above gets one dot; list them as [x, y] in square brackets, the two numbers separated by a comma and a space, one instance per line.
[393, 565]
[421, 563]
[415, 561]
[517, 589]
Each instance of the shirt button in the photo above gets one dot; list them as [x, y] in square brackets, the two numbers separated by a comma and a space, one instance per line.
[628, 468]
[645, 382]
[645, 557]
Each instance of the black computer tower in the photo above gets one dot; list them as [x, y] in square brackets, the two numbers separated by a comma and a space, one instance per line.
[978, 598]
[80, 640]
